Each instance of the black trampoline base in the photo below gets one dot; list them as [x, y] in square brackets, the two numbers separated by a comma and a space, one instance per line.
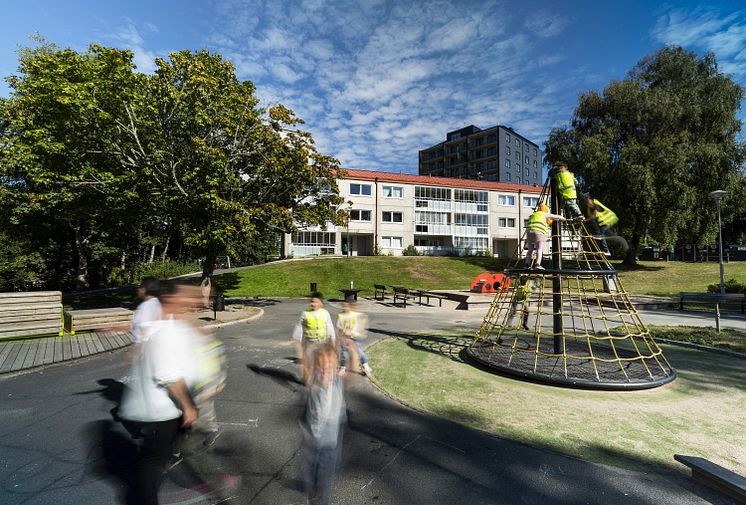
[580, 373]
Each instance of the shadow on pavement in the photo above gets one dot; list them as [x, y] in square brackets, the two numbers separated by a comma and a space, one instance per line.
[282, 377]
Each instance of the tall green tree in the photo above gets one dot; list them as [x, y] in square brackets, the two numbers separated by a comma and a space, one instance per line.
[55, 161]
[654, 145]
[227, 169]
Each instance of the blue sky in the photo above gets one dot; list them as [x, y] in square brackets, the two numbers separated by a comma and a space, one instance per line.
[376, 80]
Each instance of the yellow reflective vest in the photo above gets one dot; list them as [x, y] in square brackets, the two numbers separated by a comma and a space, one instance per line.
[351, 324]
[522, 292]
[314, 324]
[605, 216]
[566, 185]
[538, 222]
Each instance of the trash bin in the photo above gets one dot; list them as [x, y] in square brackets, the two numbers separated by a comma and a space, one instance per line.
[314, 287]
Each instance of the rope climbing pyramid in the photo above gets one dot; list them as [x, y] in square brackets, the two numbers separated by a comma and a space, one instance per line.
[571, 324]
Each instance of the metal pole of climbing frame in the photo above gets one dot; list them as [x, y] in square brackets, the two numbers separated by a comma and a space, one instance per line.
[557, 323]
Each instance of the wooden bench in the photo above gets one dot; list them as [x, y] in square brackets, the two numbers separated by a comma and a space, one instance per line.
[401, 294]
[30, 313]
[379, 288]
[94, 319]
[423, 293]
[713, 299]
[463, 300]
[715, 476]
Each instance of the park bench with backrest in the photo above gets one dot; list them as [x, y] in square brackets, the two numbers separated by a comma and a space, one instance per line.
[401, 294]
[32, 313]
[713, 299]
[423, 293]
[94, 319]
[715, 476]
[379, 288]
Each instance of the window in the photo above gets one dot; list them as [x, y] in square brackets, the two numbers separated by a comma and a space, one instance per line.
[517, 179]
[536, 175]
[536, 153]
[391, 242]
[507, 175]
[530, 201]
[518, 168]
[360, 215]
[507, 150]
[470, 219]
[525, 160]
[506, 222]
[525, 147]
[507, 138]
[393, 192]
[313, 242]
[360, 189]
[442, 218]
[391, 217]
[508, 200]
[535, 164]
[526, 172]
[517, 142]
[507, 163]
[471, 243]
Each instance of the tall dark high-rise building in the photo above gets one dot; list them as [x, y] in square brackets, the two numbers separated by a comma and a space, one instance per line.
[491, 154]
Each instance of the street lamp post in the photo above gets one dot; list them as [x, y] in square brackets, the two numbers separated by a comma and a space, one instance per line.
[717, 196]
[349, 216]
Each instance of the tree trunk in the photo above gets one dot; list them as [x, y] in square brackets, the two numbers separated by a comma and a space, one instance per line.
[165, 250]
[208, 267]
[81, 248]
[630, 259]
[152, 253]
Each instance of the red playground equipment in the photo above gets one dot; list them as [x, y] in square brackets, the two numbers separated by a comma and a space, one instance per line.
[487, 282]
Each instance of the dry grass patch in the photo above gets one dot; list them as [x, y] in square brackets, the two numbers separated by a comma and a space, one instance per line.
[700, 413]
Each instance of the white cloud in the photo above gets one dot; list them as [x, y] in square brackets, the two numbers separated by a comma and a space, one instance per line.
[378, 80]
[708, 29]
[131, 38]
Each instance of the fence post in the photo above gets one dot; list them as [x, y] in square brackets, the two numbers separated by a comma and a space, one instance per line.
[717, 317]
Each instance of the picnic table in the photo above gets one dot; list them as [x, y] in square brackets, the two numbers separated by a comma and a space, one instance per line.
[350, 292]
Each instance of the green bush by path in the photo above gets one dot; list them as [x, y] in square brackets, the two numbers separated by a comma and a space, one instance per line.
[672, 277]
[727, 338]
[696, 414]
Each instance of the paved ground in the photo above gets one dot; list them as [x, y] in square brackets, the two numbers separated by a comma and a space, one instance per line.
[58, 443]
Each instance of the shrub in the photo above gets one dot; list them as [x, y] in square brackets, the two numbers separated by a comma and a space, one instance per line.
[731, 286]
[138, 271]
[410, 250]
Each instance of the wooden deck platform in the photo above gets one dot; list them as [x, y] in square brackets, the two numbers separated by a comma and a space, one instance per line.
[18, 355]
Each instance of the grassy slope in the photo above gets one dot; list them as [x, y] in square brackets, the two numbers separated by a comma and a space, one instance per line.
[697, 414]
[293, 278]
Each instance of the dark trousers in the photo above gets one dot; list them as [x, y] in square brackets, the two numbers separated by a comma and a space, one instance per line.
[320, 466]
[157, 441]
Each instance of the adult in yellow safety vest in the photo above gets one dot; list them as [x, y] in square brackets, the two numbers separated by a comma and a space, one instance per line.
[565, 182]
[601, 220]
[537, 229]
[352, 327]
[313, 330]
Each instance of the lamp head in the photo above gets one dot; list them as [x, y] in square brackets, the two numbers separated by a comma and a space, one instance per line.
[717, 194]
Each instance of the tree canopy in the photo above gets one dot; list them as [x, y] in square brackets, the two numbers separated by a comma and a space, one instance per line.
[100, 163]
[654, 145]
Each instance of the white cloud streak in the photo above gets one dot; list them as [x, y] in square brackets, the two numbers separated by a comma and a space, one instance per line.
[708, 29]
[378, 80]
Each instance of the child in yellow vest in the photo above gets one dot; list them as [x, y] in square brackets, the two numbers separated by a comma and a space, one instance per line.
[537, 232]
[565, 181]
[351, 326]
[313, 330]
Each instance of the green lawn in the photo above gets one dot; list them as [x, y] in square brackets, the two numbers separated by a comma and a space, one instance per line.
[293, 278]
[667, 278]
[727, 338]
[698, 414]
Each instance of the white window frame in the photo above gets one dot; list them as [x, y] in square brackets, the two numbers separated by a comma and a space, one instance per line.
[392, 213]
[361, 186]
[506, 222]
[530, 201]
[360, 216]
[393, 190]
[506, 199]
[387, 242]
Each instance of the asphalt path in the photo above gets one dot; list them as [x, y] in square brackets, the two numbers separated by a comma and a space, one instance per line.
[59, 443]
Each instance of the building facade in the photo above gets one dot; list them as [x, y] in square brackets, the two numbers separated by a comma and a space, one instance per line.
[437, 215]
[493, 154]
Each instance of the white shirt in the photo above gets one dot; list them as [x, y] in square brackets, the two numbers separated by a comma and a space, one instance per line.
[147, 313]
[166, 357]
